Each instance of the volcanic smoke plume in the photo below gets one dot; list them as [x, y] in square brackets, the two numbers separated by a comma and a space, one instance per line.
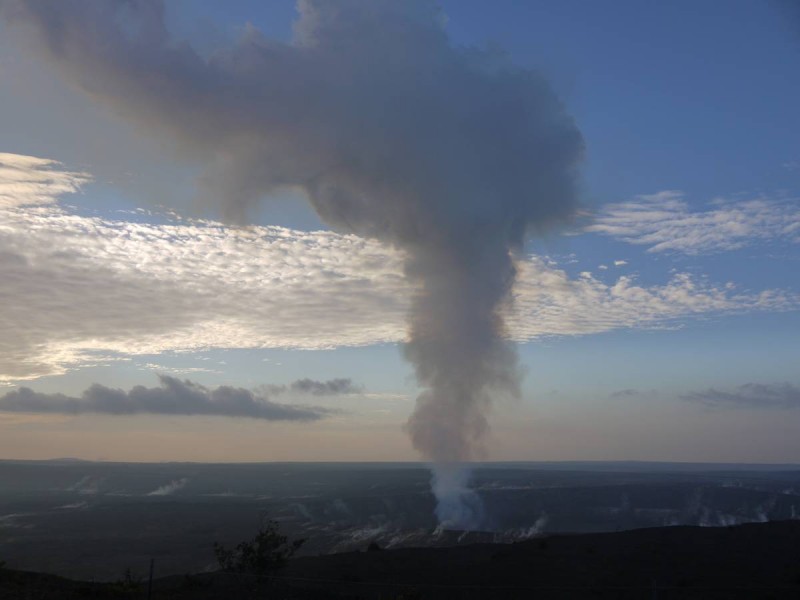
[452, 155]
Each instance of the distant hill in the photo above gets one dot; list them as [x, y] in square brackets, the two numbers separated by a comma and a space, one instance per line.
[747, 561]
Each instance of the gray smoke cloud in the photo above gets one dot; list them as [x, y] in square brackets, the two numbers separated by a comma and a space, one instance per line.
[172, 397]
[451, 154]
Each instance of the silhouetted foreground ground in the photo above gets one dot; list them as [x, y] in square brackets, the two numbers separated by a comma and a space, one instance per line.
[747, 561]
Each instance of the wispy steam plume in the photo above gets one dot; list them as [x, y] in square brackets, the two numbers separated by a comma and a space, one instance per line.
[450, 154]
[170, 488]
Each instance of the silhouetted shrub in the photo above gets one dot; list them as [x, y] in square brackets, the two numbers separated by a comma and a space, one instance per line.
[268, 550]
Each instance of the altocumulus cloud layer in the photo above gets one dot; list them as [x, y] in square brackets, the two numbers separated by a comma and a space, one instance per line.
[664, 222]
[75, 286]
[176, 397]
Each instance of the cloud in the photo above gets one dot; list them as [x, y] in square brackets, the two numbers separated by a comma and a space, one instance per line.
[547, 302]
[333, 387]
[175, 370]
[30, 181]
[620, 263]
[80, 289]
[74, 284]
[664, 222]
[172, 397]
[750, 395]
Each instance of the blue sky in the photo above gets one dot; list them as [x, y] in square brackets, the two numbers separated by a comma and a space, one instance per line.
[688, 110]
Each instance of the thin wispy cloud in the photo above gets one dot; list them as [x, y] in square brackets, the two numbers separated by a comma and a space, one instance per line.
[548, 302]
[77, 287]
[172, 397]
[28, 180]
[333, 387]
[665, 222]
[750, 395]
[626, 393]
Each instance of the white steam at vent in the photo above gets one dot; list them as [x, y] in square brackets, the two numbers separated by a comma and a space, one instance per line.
[170, 488]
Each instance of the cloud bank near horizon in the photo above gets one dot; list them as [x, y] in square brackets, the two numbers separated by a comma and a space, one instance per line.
[181, 397]
[77, 286]
[783, 396]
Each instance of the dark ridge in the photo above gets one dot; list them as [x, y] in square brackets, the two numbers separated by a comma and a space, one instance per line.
[757, 560]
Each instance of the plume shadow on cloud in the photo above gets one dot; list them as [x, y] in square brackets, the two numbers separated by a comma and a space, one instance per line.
[750, 395]
[172, 397]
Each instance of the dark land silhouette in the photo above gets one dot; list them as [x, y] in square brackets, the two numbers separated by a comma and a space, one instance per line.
[756, 560]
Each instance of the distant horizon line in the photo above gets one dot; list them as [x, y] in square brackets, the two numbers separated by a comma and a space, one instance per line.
[420, 463]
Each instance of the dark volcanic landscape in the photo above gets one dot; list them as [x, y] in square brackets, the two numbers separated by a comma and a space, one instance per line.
[756, 560]
[94, 520]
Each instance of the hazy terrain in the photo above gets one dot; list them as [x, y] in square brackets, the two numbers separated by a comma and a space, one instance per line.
[93, 520]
